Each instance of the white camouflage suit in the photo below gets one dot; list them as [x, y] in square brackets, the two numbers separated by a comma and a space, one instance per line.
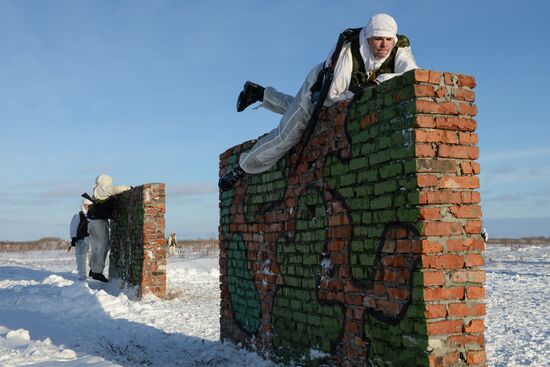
[99, 228]
[297, 110]
[82, 248]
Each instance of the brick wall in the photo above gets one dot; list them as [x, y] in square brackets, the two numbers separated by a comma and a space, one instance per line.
[138, 244]
[363, 244]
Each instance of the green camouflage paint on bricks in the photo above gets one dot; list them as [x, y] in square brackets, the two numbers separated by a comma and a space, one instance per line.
[300, 322]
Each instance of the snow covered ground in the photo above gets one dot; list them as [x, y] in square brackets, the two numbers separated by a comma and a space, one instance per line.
[49, 318]
[518, 306]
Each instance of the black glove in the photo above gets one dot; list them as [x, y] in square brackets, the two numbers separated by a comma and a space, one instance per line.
[73, 241]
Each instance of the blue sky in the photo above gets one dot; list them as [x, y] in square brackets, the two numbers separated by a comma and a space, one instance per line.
[145, 91]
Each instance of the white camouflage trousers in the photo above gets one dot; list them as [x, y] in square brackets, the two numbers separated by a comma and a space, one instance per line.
[296, 113]
[82, 253]
[99, 243]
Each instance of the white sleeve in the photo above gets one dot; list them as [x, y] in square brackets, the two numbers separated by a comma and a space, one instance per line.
[404, 61]
[119, 189]
[338, 90]
[113, 190]
[74, 225]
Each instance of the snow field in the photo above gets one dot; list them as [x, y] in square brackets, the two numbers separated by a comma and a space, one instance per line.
[50, 318]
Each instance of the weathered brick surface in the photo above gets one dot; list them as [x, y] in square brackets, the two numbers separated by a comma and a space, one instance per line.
[363, 242]
[138, 245]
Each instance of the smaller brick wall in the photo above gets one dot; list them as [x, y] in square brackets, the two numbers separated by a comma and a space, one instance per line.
[138, 244]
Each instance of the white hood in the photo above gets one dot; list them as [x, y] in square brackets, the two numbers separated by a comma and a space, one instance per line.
[104, 180]
[380, 25]
[85, 202]
[104, 188]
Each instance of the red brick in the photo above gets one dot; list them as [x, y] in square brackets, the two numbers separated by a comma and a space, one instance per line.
[421, 75]
[436, 136]
[435, 311]
[430, 246]
[466, 211]
[335, 220]
[432, 278]
[463, 94]
[459, 182]
[448, 78]
[473, 227]
[473, 260]
[456, 123]
[427, 180]
[430, 213]
[379, 289]
[465, 108]
[441, 92]
[441, 229]
[461, 152]
[392, 308]
[336, 245]
[368, 120]
[463, 340]
[447, 360]
[408, 246]
[475, 293]
[466, 81]
[445, 327]
[441, 197]
[467, 244]
[461, 309]
[424, 150]
[467, 138]
[338, 258]
[476, 357]
[425, 121]
[470, 197]
[424, 90]
[435, 77]
[443, 294]
[398, 261]
[474, 326]
[392, 276]
[443, 261]
[352, 327]
[468, 276]
[445, 108]
[399, 294]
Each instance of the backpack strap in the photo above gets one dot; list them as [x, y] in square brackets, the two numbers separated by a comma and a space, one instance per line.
[349, 35]
[82, 229]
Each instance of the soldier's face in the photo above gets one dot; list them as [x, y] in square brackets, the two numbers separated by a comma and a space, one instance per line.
[380, 46]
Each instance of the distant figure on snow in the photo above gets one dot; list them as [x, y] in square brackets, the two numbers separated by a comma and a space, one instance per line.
[78, 232]
[365, 58]
[172, 243]
[99, 228]
[484, 235]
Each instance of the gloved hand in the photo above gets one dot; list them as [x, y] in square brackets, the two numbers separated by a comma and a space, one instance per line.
[73, 241]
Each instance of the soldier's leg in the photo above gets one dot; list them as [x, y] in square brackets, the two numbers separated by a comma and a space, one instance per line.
[271, 147]
[81, 252]
[99, 243]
